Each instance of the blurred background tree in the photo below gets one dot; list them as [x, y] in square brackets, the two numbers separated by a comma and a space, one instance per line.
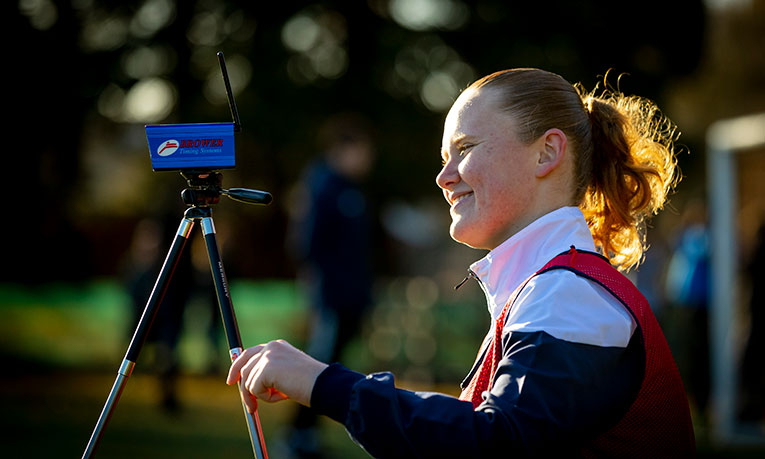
[87, 74]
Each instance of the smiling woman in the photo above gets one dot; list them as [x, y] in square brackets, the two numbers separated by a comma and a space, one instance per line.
[612, 156]
[544, 176]
[489, 176]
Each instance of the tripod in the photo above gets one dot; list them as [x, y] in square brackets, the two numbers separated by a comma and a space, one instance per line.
[204, 190]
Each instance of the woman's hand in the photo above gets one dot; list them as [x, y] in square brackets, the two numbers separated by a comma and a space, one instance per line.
[274, 372]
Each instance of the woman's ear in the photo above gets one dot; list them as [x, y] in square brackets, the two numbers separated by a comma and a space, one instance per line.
[553, 150]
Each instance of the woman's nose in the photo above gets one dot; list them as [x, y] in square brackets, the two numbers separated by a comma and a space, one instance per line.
[448, 175]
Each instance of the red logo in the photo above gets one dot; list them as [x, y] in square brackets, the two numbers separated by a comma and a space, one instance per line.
[167, 148]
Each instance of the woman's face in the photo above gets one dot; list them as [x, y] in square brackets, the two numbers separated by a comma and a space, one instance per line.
[488, 173]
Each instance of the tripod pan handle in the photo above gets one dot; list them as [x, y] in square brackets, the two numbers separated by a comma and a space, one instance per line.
[248, 196]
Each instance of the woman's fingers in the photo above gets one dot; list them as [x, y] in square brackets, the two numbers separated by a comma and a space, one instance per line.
[249, 400]
[252, 377]
[236, 367]
[276, 371]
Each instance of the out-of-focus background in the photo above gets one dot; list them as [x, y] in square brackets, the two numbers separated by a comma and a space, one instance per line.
[86, 218]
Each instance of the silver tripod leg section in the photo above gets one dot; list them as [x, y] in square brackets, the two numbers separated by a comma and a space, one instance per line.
[253, 421]
[141, 333]
[119, 384]
[230, 328]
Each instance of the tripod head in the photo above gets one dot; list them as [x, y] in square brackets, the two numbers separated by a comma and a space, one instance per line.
[205, 189]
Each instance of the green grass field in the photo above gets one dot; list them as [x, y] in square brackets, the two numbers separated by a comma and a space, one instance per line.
[61, 346]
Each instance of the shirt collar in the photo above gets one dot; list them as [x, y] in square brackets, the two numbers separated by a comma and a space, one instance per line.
[504, 268]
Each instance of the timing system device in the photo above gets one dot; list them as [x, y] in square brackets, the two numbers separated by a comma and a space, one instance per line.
[195, 147]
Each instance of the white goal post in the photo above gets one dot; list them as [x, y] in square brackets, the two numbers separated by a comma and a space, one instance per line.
[726, 138]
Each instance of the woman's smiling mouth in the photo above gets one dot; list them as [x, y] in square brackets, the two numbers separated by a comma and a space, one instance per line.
[456, 200]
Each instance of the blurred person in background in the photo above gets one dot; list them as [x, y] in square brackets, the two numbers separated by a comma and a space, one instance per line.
[191, 281]
[687, 292]
[149, 244]
[330, 239]
[542, 175]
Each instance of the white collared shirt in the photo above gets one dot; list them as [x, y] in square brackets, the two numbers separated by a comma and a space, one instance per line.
[567, 306]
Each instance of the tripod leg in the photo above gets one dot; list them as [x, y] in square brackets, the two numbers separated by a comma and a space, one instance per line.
[231, 328]
[141, 332]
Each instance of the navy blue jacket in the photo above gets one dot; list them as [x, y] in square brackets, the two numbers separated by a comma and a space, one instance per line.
[549, 395]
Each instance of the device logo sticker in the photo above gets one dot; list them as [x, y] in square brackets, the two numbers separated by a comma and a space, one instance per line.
[167, 148]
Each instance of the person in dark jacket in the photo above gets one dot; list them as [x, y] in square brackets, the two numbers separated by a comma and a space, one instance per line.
[330, 240]
[556, 183]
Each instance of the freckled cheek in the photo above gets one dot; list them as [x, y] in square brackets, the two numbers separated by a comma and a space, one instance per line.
[470, 173]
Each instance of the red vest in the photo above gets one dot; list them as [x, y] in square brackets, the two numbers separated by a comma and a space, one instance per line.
[658, 423]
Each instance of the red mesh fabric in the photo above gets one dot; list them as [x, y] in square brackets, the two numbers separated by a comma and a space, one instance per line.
[658, 423]
[481, 380]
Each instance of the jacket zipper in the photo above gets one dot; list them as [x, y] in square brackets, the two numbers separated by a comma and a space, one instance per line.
[470, 274]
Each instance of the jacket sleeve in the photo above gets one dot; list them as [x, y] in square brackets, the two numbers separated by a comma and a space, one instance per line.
[548, 395]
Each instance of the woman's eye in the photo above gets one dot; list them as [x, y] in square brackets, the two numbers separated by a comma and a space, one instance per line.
[464, 149]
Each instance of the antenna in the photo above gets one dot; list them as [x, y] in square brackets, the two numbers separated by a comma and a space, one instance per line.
[229, 93]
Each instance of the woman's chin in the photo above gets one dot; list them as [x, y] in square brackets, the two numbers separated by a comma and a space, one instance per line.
[464, 237]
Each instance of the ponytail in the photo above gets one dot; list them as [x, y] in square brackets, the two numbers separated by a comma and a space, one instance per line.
[632, 170]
